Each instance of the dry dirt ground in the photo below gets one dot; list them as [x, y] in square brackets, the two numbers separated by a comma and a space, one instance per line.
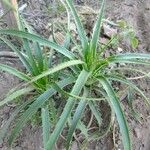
[136, 13]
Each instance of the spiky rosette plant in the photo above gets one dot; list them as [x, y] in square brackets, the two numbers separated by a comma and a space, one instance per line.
[84, 71]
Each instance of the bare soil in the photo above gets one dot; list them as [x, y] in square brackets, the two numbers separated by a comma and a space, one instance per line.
[136, 13]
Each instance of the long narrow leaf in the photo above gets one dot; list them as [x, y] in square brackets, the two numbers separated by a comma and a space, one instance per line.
[16, 94]
[38, 55]
[14, 72]
[79, 25]
[95, 112]
[57, 68]
[21, 56]
[114, 102]
[45, 125]
[128, 56]
[97, 28]
[40, 40]
[38, 51]
[32, 62]
[82, 78]
[76, 118]
[130, 61]
[120, 79]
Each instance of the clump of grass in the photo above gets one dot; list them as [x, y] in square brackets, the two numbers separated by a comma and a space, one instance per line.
[84, 71]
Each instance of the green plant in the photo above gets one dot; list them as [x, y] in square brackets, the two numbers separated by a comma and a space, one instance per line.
[128, 33]
[85, 71]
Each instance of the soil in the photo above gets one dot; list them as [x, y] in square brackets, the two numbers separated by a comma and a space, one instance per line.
[136, 13]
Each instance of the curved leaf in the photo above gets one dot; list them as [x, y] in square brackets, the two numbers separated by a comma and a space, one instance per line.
[120, 79]
[79, 25]
[76, 118]
[114, 102]
[97, 28]
[95, 112]
[127, 56]
[45, 125]
[14, 72]
[57, 68]
[16, 94]
[20, 55]
[40, 40]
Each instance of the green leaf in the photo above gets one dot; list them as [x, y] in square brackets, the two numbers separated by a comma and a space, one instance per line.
[38, 55]
[21, 56]
[133, 70]
[136, 58]
[128, 56]
[95, 112]
[83, 129]
[79, 25]
[57, 68]
[114, 102]
[40, 40]
[76, 118]
[31, 60]
[120, 79]
[16, 94]
[131, 61]
[134, 42]
[80, 82]
[38, 51]
[45, 125]
[122, 23]
[38, 103]
[15, 72]
[26, 46]
[97, 28]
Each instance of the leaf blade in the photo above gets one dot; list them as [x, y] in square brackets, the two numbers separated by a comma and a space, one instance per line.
[40, 40]
[57, 68]
[76, 118]
[119, 113]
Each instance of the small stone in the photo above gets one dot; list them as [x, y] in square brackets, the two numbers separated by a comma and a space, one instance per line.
[109, 31]
[137, 132]
[120, 49]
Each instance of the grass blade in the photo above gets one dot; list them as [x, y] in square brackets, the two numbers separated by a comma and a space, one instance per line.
[39, 56]
[82, 78]
[40, 40]
[76, 118]
[114, 102]
[129, 83]
[79, 25]
[57, 68]
[14, 72]
[31, 60]
[95, 112]
[16, 94]
[135, 58]
[128, 56]
[21, 56]
[130, 61]
[97, 28]
[45, 125]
